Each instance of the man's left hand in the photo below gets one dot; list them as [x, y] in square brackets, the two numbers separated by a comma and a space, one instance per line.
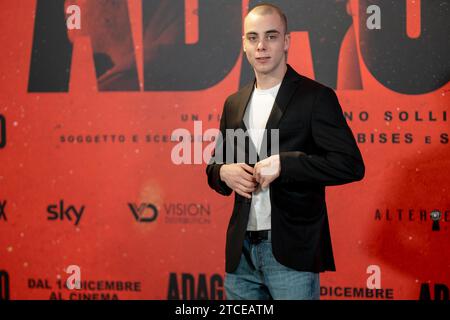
[267, 170]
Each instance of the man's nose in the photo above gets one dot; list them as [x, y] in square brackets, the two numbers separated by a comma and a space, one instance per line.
[261, 45]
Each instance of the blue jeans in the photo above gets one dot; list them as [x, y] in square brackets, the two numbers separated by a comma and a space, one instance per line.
[264, 278]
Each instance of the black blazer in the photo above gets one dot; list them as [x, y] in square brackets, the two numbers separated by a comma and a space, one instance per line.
[316, 148]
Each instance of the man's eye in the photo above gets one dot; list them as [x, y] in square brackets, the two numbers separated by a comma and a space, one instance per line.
[271, 37]
[252, 38]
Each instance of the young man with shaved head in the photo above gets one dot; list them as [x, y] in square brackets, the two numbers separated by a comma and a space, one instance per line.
[278, 238]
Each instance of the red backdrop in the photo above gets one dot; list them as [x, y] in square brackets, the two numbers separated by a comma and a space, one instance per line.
[173, 246]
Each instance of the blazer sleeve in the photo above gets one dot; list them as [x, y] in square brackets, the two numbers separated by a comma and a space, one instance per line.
[218, 159]
[338, 159]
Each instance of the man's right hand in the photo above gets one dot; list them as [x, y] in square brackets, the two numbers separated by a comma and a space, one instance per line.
[239, 177]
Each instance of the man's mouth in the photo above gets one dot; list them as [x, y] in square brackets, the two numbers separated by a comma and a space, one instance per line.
[262, 59]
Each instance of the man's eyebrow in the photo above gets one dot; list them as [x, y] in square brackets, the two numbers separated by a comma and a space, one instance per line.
[272, 31]
[268, 31]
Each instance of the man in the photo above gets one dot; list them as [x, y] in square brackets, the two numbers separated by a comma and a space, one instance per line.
[278, 238]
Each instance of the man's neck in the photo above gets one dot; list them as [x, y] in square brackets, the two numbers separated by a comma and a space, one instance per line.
[267, 81]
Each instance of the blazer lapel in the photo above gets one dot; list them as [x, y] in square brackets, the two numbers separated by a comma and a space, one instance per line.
[243, 103]
[284, 96]
[287, 89]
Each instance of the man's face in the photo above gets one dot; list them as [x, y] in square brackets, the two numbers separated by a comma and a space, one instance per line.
[265, 42]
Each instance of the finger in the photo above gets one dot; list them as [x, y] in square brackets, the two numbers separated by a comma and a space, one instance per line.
[247, 168]
[244, 194]
[266, 182]
[257, 175]
[248, 177]
[263, 182]
[248, 184]
[246, 189]
[255, 169]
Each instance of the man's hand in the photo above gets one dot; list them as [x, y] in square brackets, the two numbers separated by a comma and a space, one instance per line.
[239, 177]
[267, 170]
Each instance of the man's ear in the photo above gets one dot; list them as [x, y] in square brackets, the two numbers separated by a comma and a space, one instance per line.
[287, 42]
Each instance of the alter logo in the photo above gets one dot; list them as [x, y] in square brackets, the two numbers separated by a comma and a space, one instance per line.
[435, 215]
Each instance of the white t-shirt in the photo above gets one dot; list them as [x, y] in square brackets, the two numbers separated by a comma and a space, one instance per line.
[255, 119]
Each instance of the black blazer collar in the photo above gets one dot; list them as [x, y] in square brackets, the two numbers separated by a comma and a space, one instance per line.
[287, 89]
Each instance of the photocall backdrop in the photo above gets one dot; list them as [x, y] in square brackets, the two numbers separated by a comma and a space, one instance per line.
[89, 189]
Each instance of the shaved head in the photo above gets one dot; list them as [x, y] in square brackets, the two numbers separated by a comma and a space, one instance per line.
[268, 8]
